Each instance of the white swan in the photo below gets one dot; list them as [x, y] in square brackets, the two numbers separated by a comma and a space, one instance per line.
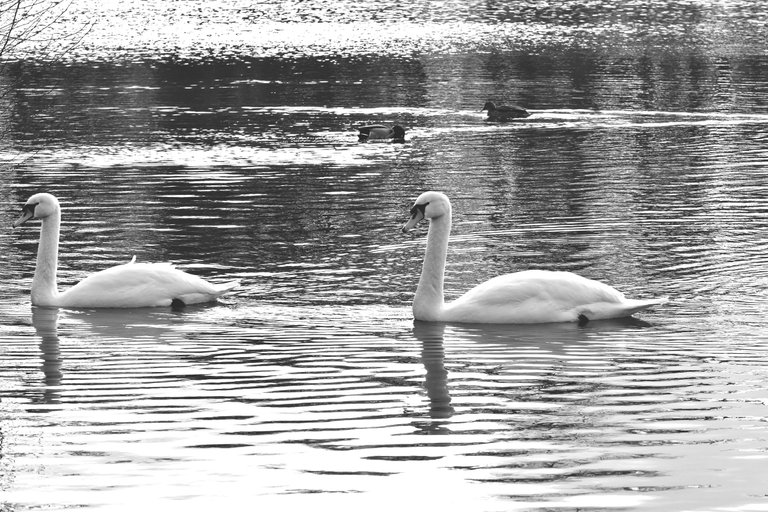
[132, 285]
[532, 296]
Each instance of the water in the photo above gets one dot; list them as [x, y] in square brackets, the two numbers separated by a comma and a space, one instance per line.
[220, 137]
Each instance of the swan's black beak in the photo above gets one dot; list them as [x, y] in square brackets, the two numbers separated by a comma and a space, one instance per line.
[417, 215]
[28, 212]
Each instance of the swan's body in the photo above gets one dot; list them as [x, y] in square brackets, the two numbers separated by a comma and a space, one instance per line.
[504, 112]
[532, 296]
[131, 285]
[382, 133]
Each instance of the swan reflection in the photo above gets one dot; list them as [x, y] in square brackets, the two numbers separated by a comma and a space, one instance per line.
[430, 334]
[502, 340]
[547, 334]
[46, 324]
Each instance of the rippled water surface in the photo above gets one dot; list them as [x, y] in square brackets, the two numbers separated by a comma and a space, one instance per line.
[221, 136]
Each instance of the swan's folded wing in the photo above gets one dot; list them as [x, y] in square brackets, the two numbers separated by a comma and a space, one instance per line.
[541, 296]
[556, 287]
[140, 285]
[522, 297]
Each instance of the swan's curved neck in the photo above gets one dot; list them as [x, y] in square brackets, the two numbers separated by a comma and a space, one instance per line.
[44, 290]
[429, 302]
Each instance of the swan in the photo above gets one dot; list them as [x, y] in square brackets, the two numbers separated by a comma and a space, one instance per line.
[504, 112]
[132, 285]
[379, 132]
[527, 297]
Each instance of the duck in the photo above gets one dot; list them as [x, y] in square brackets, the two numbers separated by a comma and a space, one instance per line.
[504, 112]
[526, 297]
[131, 285]
[380, 132]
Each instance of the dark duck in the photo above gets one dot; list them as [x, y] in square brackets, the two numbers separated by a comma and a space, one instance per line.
[504, 112]
[381, 133]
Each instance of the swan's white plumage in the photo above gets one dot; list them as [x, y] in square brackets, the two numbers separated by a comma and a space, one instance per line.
[537, 296]
[532, 296]
[141, 285]
[130, 285]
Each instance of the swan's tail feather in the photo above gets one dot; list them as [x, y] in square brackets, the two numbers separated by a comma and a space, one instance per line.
[225, 287]
[632, 306]
[210, 294]
[625, 308]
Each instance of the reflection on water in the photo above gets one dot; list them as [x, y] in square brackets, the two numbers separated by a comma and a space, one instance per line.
[510, 340]
[232, 152]
[45, 321]
[212, 397]
[430, 334]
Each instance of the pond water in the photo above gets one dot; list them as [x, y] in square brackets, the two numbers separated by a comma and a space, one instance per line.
[220, 136]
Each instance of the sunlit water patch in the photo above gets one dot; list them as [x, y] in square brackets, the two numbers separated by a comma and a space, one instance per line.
[134, 30]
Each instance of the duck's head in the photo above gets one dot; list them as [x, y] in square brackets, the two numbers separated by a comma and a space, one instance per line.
[39, 206]
[429, 205]
[489, 105]
[398, 133]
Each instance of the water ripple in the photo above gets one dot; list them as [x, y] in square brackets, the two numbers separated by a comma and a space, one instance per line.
[311, 384]
[318, 29]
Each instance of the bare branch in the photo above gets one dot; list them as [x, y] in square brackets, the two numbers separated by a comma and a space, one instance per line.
[26, 25]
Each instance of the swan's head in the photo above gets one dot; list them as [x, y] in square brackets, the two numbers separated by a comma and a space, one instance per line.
[429, 205]
[39, 206]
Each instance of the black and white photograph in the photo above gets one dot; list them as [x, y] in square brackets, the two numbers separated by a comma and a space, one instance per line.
[335, 255]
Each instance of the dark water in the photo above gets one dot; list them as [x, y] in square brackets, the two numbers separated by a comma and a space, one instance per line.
[222, 139]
